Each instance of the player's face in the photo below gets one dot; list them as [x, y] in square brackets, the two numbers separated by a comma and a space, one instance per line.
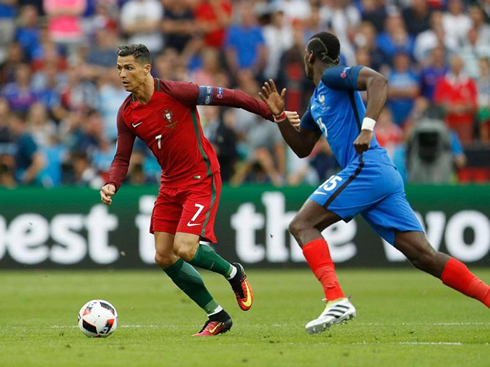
[308, 64]
[131, 73]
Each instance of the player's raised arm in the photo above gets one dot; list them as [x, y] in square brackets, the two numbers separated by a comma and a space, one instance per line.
[376, 87]
[300, 140]
[120, 164]
[361, 78]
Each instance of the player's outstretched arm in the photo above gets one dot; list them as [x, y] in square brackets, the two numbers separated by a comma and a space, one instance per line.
[300, 140]
[191, 94]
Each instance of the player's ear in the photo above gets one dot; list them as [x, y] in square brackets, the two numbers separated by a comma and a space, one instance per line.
[311, 57]
[147, 68]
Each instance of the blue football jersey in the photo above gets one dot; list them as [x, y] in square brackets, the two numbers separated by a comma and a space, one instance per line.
[336, 109]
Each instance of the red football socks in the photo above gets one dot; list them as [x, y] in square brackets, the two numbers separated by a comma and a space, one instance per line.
[318, 257]
[457, 276]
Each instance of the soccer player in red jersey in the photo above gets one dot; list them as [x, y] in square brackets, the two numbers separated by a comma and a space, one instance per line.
[163, 114]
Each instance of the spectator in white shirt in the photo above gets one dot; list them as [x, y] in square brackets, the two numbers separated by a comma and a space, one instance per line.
[141, 21]
[455, 22]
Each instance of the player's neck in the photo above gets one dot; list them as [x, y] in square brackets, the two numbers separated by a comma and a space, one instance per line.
[317, 75]
[318, 72]
[145, 91]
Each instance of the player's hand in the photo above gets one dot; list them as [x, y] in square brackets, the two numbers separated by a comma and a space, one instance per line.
[361, 144]
[293, 118]
[272, 98]
[106, 193]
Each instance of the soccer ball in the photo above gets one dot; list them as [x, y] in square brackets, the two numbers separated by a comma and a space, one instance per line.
[97, 318]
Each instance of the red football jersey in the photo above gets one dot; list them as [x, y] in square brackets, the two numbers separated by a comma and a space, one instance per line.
[169, 124]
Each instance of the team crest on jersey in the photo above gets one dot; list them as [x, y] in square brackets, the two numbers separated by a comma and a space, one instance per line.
[343, 75]
[168, 115]
[322, 106]
[219, 94]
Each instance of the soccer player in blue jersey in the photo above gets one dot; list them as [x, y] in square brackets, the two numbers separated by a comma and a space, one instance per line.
[368, 184]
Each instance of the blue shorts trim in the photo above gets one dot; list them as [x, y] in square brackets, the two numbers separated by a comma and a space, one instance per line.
[344, 185]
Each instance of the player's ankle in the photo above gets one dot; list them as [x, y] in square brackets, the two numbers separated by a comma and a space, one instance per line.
[233, 273]
[220, 316]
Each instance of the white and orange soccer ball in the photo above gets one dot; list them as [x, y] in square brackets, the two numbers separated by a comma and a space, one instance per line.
[97, 318]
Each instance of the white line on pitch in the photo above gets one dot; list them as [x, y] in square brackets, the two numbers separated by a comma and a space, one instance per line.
[424, 323]
[410, 343]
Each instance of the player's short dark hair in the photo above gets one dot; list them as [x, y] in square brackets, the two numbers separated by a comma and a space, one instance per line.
[326, 47]
[139, 51]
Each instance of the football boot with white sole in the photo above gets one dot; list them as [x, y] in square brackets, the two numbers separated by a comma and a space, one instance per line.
[336, 312]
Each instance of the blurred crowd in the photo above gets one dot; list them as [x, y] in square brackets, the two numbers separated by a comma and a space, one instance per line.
[60, 92]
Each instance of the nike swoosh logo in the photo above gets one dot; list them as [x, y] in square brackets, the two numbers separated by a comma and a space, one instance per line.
[136, 125]
[216, 327]
[248, 303]
[189, 224]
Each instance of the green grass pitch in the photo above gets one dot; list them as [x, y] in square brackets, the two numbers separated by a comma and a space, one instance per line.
[404, 318]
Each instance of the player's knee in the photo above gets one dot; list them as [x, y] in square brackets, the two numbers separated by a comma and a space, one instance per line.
[165, 260]
[296, 227]
[185, 251]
